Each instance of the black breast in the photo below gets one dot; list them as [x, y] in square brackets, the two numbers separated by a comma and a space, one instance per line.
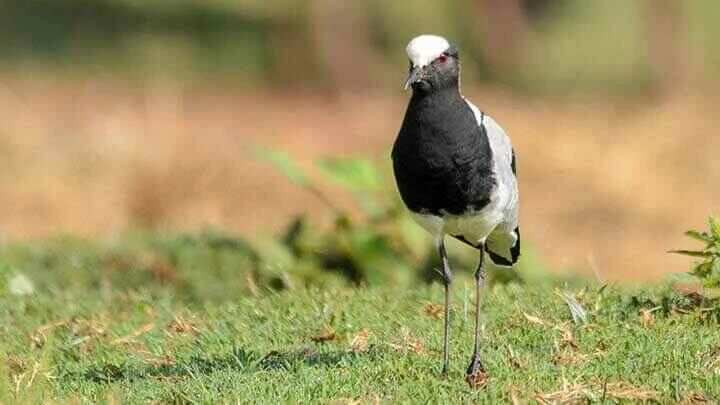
[442, 157]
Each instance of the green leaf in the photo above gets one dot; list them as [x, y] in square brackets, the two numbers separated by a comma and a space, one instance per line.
[274, 256]
[354, 174]
[697, 235]
[703, 269]
[715, 273]
[285, 163]
[714, 226]
[693, 253]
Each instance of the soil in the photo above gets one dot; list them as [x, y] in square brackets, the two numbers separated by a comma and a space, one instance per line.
[607, 187]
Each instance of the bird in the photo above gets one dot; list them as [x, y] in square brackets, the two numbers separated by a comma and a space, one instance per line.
[455, 170]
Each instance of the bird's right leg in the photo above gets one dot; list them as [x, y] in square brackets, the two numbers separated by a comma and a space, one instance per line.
[476, 365]
[440, 242]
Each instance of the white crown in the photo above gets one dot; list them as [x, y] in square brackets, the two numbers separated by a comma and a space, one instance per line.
[424, 49]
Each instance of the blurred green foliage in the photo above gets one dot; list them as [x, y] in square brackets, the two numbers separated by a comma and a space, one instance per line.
[385, 246]
[173, 38]
[592, 44]
[381, 246]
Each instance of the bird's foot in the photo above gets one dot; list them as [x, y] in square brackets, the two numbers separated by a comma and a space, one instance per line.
[476, 376]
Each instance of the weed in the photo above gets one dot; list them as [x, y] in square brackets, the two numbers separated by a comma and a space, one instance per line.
[708, 268]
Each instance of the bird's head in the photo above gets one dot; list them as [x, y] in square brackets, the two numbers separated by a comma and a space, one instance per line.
[434, 64]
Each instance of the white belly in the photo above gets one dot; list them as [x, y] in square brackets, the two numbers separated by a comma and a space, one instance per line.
[473, 227]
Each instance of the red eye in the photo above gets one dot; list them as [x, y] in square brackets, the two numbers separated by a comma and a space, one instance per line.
[442, 58]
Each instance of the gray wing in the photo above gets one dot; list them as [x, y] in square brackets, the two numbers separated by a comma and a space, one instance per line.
[503, 243]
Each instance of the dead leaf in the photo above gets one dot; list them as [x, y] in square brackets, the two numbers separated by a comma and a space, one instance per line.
[38, 337]
[478, 379]
[137, 332]
[154, 360]
[38, 340]
[711, 360]
[513, 394]
[36, 369]
[87, 327]
[359, 342]
[407, 342]
[515, 361]
[534, 319]
[415, 345]
[568, 339]
[647, 317]
[326, 335]
[695, 398]
[50, 326]
[346, 401]
[624, 390]
[569, 394]
[181, 325]
[591, 327]
[17, 365]
[578, 392]
[434, 310]
[569, 357]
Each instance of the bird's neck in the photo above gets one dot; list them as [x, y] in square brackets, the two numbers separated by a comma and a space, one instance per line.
[438, 117]
[435, 108]
[436, 97]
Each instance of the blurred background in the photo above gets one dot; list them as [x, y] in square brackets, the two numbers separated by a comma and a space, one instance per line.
[176, 115]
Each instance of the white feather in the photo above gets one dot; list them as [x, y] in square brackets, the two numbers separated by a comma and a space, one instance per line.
[424, 49]
[507, 189]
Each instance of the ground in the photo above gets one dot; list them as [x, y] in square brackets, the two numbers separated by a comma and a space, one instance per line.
[606, 186]
[343, 345]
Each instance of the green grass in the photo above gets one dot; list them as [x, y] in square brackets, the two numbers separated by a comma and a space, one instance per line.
[148, 342]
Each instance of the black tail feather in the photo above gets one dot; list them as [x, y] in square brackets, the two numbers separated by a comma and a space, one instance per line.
[465, 241]
[495, 257]
[514, 252]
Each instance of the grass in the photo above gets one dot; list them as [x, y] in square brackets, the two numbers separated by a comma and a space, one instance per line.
[148, 340]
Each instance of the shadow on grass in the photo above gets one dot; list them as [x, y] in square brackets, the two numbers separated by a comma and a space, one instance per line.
[240, 360]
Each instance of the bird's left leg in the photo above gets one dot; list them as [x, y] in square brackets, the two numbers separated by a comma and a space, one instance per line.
[476, 367]
[447, 277]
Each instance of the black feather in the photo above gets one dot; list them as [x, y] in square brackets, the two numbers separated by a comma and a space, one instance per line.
[515, 250]
[442, 157]
[496, 258]
[512, 163]
[465, 241]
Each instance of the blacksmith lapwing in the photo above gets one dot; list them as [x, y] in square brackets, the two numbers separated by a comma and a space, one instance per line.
[455, 170]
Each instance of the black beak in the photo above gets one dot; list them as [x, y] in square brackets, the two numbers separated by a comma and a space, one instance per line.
[417, 73]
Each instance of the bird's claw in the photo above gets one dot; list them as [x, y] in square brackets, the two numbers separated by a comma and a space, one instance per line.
[476, 376]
